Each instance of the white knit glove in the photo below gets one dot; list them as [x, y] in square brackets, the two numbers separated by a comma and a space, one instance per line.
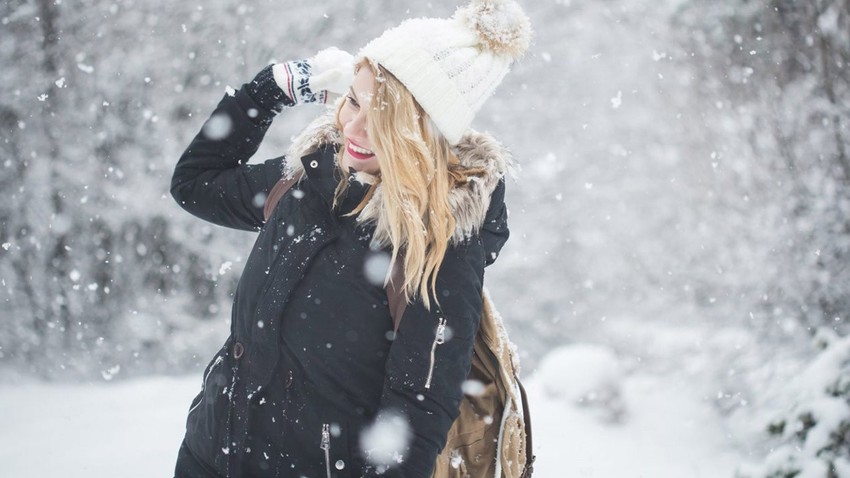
[322, 78]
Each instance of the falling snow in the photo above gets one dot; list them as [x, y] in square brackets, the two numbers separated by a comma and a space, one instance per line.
[675, 279]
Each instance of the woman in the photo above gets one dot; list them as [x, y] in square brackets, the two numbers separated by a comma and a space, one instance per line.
[391, 179]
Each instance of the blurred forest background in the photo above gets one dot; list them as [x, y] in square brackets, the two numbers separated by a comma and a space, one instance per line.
[684, 161]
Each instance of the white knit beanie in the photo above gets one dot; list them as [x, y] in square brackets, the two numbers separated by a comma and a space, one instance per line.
[452, 65]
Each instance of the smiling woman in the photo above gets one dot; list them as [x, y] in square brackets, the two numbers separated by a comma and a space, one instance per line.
[357, 153]
[391, 175]
[353, 121]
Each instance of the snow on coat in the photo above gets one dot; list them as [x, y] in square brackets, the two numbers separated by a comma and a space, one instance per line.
[311, 358]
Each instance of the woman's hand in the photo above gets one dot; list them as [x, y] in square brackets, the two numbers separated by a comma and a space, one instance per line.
[318, 79]
[321, 78]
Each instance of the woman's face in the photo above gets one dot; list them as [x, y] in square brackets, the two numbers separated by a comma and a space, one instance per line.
[357, 151]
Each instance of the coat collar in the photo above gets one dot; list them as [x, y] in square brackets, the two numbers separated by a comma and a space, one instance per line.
[319, 167]
[312, 155]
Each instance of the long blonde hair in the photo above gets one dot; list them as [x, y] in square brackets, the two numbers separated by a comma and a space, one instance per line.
[418, 169]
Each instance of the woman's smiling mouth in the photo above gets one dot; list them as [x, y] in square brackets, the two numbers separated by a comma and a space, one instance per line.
[357, 152]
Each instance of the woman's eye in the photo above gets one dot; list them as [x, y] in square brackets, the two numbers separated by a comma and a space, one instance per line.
[353, 101]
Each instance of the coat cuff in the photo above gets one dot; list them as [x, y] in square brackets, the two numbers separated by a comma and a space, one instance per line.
[266, 93]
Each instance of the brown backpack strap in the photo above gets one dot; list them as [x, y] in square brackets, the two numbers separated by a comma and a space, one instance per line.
[395, 294]
[529, 449]
[278, 191]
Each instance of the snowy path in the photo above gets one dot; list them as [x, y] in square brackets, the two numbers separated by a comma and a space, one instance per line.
[133, 429]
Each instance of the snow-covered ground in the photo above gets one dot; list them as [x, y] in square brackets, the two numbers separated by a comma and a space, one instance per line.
[116, 430]
[667, 432]
[635, 425]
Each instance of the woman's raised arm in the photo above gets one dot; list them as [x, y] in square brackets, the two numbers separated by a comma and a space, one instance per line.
[213, 179]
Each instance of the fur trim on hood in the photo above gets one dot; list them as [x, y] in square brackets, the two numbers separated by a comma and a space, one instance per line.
[468, 202]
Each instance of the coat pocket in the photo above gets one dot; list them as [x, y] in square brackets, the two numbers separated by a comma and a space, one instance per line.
[439, 339]
[430, 358]
[208, 413]
[210, 369]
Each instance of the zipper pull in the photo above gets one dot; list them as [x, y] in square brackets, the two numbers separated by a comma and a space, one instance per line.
[326, 446]
[439, 338]
[326, 437]
[441, 331]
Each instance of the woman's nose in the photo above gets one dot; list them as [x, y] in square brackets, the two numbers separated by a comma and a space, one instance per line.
[357, 125]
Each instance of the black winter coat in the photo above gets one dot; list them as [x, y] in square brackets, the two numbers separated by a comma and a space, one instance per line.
[312, 358]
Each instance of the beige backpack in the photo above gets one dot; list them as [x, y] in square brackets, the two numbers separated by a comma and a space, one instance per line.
[492, 435]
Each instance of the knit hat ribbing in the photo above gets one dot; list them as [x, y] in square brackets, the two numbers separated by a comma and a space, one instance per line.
[451, 66]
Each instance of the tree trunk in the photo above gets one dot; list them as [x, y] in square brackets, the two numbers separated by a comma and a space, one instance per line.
[57, 263]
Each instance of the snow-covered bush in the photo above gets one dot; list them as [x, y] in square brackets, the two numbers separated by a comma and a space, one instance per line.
[584, 375]
[813, 437]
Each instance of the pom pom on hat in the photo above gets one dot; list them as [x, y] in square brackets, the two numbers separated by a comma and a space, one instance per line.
[452, 65]
[501, 25]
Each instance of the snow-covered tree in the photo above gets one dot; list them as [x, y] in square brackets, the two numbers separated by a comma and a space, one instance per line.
[773, 75]
[812, 438]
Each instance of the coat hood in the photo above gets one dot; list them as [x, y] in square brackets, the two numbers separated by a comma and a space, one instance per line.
[469, 202]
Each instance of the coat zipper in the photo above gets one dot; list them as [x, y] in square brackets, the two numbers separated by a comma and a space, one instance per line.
[439, 338]
[215, 364]
[326, 446]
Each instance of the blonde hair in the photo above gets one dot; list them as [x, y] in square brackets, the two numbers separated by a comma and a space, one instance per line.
[418, 169]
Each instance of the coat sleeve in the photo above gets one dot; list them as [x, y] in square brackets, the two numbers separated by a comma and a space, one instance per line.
[212, 179]
[494, 231]
[430, 407]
